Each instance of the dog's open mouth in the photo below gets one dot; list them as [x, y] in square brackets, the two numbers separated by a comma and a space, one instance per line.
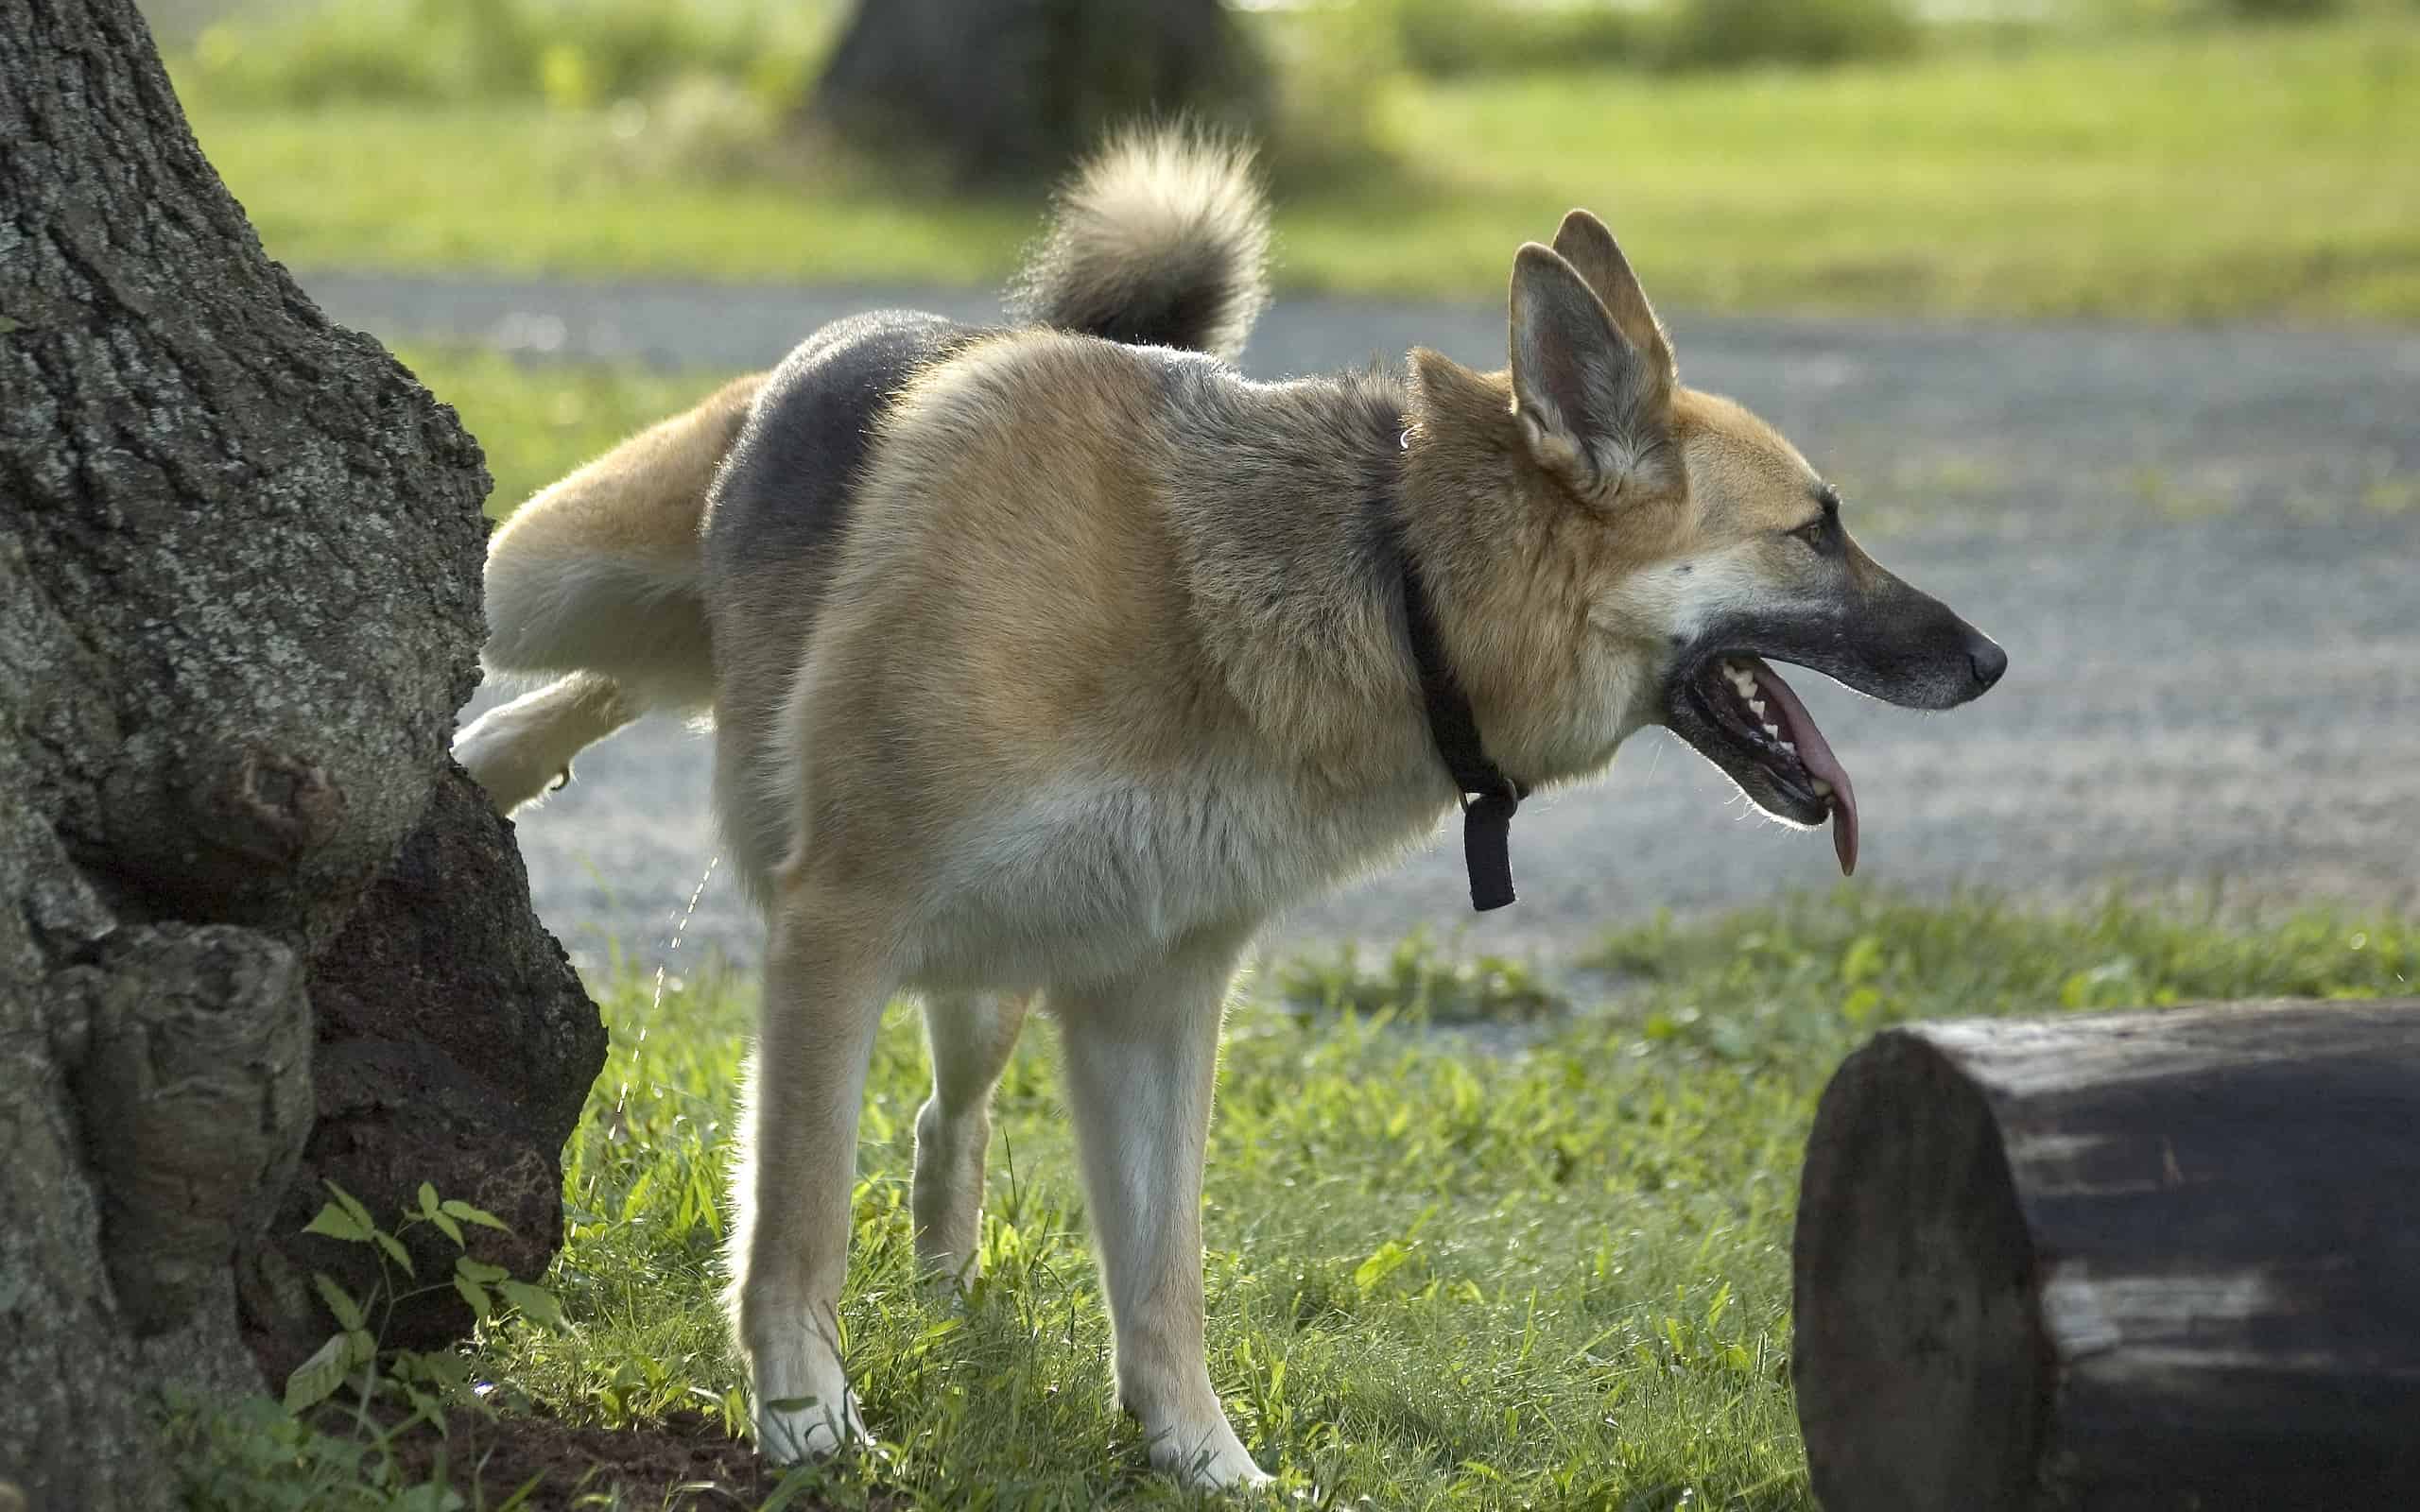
[1740, 715]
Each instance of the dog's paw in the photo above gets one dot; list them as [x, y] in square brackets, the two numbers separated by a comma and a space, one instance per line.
[515, 771]
[1208, 1456]
[791, 1431]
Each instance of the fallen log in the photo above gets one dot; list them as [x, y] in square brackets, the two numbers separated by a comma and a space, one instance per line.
[2133, 1261]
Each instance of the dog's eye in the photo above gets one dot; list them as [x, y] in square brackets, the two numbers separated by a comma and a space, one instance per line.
[1814, 532]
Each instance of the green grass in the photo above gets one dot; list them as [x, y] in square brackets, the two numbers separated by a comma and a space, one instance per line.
[539, 420]
[1440, 1274]
[2170, 175]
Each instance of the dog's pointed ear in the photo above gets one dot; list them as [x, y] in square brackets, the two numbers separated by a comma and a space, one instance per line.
[1589, 401]
[1589, 248]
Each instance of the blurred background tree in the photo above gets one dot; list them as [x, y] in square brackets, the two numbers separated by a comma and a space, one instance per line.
[1011, 90]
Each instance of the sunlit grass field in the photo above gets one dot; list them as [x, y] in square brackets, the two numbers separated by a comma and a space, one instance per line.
[1541, 1265]
[2169, 175]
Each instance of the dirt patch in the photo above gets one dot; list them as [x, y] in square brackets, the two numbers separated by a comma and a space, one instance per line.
[685, 1463]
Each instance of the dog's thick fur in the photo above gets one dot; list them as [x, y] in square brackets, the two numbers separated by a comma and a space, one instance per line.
[1054, 659]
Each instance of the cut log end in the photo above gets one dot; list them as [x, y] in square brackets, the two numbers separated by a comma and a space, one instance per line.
[1912, 1269]
[2136, 1260]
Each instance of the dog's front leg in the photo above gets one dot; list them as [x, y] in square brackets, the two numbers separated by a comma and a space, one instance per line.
[823, 995]
[1141, 1056]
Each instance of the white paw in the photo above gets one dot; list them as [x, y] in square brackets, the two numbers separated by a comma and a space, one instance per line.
[792, 1430]
[1208, 1455]
[497, 750]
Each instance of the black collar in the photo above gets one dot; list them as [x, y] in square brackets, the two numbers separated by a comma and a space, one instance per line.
[1487, 796]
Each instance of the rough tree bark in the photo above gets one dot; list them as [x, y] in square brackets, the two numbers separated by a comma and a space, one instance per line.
[239, 565]
[1015, 90]
[2122, 1262]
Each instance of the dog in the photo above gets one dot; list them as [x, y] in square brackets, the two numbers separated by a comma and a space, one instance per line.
[1048, 661]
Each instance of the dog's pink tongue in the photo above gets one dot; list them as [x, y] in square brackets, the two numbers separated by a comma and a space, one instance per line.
[1815, 754]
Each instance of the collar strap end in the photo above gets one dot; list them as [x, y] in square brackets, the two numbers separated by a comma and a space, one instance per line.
[1487, 831]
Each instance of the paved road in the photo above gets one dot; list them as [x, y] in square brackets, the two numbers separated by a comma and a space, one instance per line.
[2202, 549]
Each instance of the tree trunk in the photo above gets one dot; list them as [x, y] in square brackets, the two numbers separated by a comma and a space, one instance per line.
[2155, 1259]
[1015, 89]
[239, 567]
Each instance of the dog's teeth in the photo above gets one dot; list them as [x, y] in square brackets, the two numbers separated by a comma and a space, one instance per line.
[1758, 705]
[1774, 730]
[1788, 747]
[1822, 788]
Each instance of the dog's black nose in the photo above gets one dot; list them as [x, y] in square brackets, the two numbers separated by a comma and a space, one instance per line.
[1988, 659]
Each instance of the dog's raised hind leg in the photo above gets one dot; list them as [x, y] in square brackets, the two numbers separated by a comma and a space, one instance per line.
[824, 987]
[1141, 1056]
[971, 1035]
[522, 750]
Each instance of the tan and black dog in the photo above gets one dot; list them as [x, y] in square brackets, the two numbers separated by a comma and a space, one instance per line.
[1052, 660]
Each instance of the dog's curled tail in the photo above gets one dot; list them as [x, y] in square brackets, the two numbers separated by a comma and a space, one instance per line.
[1160, 239]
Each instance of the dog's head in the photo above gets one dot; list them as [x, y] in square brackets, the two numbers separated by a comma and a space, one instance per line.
[1627, 551]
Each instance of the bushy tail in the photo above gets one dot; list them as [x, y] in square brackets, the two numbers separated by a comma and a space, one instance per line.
[1161, 239]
